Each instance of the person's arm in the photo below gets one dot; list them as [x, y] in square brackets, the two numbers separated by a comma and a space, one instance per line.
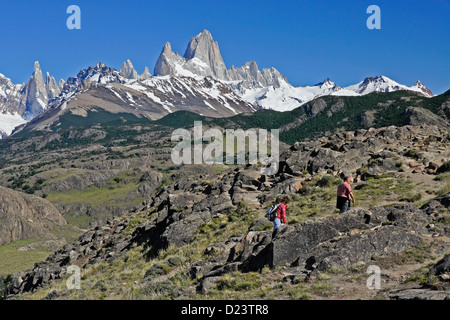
[283, 213]
[352, 197]
[350, 194]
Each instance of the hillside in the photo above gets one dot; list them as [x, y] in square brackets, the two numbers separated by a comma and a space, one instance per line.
[322, 116]
[330, 114]
[201, 233]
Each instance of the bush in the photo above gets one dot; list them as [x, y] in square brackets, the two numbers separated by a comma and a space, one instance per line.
[156, 270]
[4, 283]
[412, 198]
[328, 181]
[26, 188]
[413, 154]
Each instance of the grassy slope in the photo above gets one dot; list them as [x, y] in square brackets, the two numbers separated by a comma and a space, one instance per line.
[20, 260]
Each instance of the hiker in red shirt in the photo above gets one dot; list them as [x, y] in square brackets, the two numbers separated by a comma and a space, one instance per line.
[345, 195]
[281, 213]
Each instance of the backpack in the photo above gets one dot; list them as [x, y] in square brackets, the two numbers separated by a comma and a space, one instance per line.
[271, 213]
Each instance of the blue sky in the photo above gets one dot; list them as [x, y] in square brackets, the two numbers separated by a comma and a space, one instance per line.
[307, 41]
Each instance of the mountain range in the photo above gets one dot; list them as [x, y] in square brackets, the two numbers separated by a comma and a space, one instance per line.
[198, 82]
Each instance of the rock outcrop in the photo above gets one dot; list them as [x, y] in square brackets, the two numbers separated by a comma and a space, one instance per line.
[351, 150]
[26, 216]
[337, 241]
[96, 245]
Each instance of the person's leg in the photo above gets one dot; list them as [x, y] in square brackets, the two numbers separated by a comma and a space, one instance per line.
[345, 207]
[276, 223]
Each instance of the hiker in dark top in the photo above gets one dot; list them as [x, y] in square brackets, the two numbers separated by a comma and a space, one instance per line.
[281, 213]
[345, 195]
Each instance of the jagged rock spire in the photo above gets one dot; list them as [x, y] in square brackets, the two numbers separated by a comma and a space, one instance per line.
[127, 70]
[203, 58]
[204, 48]
[35, 97]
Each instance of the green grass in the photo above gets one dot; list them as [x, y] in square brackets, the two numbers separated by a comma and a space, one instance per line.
[373, 192]
[20, 260]
[60, 176]
[92, 195]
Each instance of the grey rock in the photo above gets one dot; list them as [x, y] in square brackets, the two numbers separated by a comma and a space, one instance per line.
[127, 71]
[419, 294]
[340, 240]
[443, 266]
[26, 216]
[204, 48]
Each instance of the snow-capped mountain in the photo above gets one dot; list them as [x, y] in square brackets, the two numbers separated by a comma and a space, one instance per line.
[35, 96]
[10, 95]
[287, 97]
[105, 88]
[198, 81]
[20, 103]
[203, 58]
[267, 88]
[384, 84]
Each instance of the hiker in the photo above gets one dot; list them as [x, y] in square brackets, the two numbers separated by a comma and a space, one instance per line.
[345, 195]
[281, 213]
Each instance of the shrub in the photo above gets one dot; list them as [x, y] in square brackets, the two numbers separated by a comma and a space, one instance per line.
[26, 188]
[328, 181]
[413, 154]
[412, 198]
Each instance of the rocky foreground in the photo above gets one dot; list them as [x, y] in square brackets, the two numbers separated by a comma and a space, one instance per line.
[173, 217]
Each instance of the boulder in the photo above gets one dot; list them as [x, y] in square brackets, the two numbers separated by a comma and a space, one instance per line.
[340, 240]
[443, 266]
